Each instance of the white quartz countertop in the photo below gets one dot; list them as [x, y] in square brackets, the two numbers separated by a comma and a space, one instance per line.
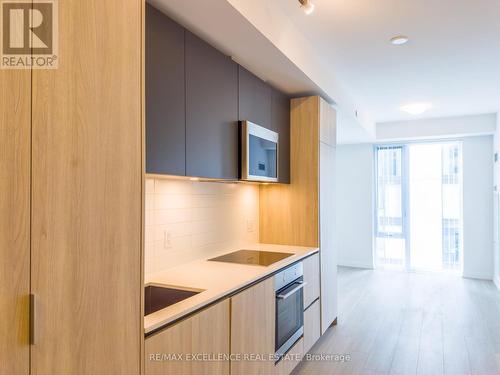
[216, 279]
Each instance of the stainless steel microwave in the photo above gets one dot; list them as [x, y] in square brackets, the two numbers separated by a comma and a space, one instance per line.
[258, 153]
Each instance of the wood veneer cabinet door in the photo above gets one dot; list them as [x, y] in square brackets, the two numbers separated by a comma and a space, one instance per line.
[289, 214]
[252, 328]
[165, 95]
[328, 257]
[302, 213]
[311, 278]
[15, 128]
[312, 326]
[207, 332]
[86, 194]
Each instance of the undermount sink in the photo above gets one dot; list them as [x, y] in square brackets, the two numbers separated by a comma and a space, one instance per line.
[157, 297]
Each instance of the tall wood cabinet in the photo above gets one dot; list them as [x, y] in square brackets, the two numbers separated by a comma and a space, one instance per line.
[328, 254]
[71, 193]
[302, 213]
[15, 134]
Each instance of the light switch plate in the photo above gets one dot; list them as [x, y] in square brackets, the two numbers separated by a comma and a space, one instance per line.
[250, 225]
[167, 239]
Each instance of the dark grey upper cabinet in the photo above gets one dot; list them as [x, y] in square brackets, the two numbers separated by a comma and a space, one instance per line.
[194, 97]
[165, 95]
[280, 123]
[254, 99]
[211, 111]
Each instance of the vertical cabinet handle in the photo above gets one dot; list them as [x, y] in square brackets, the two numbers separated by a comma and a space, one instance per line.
[32, 318]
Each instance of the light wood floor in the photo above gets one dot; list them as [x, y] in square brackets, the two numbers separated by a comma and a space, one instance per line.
[410, 323]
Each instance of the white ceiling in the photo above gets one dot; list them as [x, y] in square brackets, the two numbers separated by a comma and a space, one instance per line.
[221, 25]
[452, 59]
[261, 37]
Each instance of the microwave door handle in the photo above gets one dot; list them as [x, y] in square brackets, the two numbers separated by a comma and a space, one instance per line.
[298, 287]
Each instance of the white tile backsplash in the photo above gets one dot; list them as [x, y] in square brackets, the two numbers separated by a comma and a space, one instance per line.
[202, 218]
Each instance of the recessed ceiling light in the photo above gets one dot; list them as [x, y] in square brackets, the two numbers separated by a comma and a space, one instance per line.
[416, 108]
[399, 40]
[307, 6]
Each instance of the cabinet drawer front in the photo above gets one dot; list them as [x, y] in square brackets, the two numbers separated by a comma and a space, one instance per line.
[312, 328]
[204, 333]
[252, 328]
[291, 360]
[311, 278]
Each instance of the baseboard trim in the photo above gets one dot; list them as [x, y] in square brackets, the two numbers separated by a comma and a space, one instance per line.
[355, 265]
[477, 277]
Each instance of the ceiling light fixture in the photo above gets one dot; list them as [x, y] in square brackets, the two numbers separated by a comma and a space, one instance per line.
[416, 108]
[307, 6]
[399, 40]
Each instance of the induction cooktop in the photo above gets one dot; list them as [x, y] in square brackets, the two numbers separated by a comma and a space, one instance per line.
[252, 257]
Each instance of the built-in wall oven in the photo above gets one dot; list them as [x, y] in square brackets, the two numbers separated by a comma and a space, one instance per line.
[289, 285]
[258, 153]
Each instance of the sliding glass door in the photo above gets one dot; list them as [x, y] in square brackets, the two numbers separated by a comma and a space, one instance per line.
[419, 206]
[391, 234]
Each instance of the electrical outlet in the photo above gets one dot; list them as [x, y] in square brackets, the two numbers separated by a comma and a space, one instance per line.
[167, 239]
[250, 225]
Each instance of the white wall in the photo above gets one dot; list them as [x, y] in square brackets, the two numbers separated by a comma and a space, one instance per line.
[202, 218]
[354, 201]
[437, 128]
[350, 131]
[478, 207]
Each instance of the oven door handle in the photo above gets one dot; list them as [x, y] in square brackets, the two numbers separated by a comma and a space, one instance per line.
[298, 287]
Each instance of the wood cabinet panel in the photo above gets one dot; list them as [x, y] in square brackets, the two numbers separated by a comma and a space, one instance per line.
[289, 214]
[207, 332]
[15, 146]
[165, 95]
[252, 328]
[87, 178]
[311, 278]
[211, 111]
[280, 123]
[254, 99]
[302, 213]
[312, 325]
